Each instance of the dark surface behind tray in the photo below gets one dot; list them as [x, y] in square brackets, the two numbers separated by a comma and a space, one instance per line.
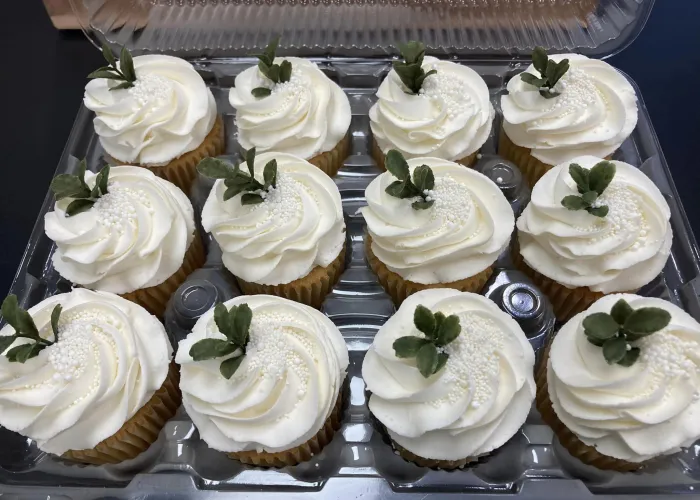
[43, 76]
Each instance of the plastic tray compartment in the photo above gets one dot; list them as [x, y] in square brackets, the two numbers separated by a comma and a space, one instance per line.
[358, 463]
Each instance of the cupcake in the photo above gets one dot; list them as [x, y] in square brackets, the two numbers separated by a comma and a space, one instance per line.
[434, 224]
[583, 107]
[451, 378]
[262, 379]
[86, 375]
[428, 107]
[592, 227]
[123, 231]
[155, 111]
[279, 225]
[288, 105]
[620, 385]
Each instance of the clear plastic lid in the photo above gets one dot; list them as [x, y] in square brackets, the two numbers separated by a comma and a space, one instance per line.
[464, 28]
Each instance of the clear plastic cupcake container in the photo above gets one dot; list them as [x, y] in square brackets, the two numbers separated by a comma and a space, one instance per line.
[358, 463]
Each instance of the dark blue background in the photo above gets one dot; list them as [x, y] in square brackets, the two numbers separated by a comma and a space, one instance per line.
[43, 76]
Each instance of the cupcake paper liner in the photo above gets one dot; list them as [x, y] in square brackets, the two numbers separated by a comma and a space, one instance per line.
[310, 289]
[331, 161]
[583, 452]
[433, 463]
[567, 302]
[154, 299]
[182, 171]
[531, 168]
[378, 156]
[399, 289]
[301, 453]
[140, 431]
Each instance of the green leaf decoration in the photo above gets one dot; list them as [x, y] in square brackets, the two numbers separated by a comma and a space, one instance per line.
[396, 165]
[410, 70]
[647, 320]
[630, 357]
[600, 326]
[74, 186]
[6, 341]
[237, 181]
[251, 199]
[214, 168]
[614, 349]
[613, 332]
[221, 318]
[229, 366]
[424, 320]
[580, 177]
[234, 324]
[211, 349]
[621, 311]
[449, 330]
[55, 317]
[9, 309]
[540, 59]
[22, 353]
[241, 321]
[270, 174]
[123, 71]
[531, 79]
[278, 73]
[24, 327]
[590, 184]
[438, 330]
[573, 202]
[250, 161]
[423, 179]
[598, 211]
[76, 207]
[550, 73]
[442, 361]
[427, 360]
[261, 92]
[439, 318]
[600, 176]
[422, 205]
[408, 347]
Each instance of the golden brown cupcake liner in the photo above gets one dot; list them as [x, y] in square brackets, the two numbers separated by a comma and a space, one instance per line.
[154, 299]
[182, 171]
[301, 453]
[140, 431]
[378, 157]
[331, 161]
[433, 463]
[531, 168]
[576, 448]
[310, 289]
[399, 289]
[567, 302]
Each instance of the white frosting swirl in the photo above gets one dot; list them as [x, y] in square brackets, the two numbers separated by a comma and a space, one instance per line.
[111, 357]
[622, 251]
[299, 225]
[167, 113]
[134, 237]
[462, 234]
[451, 118]
[476, 403]
[283, 391]
[631, 413]
[306, 116]
[595, 113]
